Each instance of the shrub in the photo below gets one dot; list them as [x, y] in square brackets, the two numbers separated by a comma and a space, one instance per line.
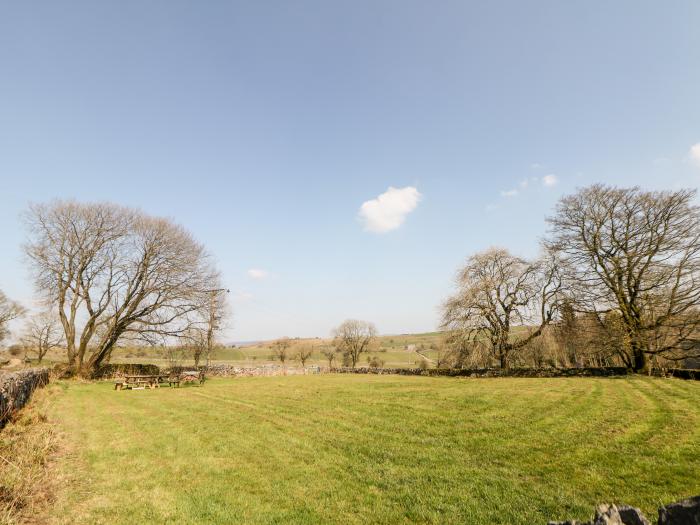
[375, 362]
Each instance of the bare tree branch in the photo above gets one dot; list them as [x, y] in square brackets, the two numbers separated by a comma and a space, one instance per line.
[112, 271]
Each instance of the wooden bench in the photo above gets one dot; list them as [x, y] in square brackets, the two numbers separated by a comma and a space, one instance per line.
[137, 382]
[140, 382]
[187, 376]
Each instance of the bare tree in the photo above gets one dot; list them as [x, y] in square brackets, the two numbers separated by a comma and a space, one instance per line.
[112, 272]
[194, 342]
[173, 355]
[330, 353]
[353, 338]
[215, 312]
[444, 356]
[42, 333]
[302, 353]
[567, 332]
[280, 349]
[636, 253]
[496, 292]
[464, 351]
[9, 311]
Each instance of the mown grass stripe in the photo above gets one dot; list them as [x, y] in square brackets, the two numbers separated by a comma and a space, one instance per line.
[377, 449]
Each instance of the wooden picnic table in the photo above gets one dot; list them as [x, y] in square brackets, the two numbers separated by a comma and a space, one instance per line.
[141, 381]
[137, 381]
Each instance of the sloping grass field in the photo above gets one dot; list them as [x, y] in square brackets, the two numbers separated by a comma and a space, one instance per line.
[373, 449]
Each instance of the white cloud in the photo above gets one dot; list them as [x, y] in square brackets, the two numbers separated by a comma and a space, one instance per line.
[257, 273]
[243, 296]
[509, 193]
[550, 180]
[526, 182]
[695, 153]
[535, 166]
[388, 211]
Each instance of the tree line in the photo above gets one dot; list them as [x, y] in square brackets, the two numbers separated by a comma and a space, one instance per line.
[617, 282]
[351, 339]
[106, 274]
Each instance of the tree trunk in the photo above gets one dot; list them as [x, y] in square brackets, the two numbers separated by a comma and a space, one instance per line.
[639, 359]
[503, 359]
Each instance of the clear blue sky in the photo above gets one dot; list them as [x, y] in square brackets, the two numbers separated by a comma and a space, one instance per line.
[264, 126]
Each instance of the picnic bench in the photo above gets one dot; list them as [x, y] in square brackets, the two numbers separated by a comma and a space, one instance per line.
[137, 381]
[187, 376]
[143, 381]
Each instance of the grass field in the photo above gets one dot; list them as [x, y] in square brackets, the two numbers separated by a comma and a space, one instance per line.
[372, 449]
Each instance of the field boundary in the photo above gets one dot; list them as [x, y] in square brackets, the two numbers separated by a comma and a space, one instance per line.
[490, 372]
[16, 389]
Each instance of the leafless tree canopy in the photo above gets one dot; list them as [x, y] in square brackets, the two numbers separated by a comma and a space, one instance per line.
[112, 272]
[352, 338]
[42, 333]
[330, 353]
[213, 314]
[302, 353]
[635, 254]
[9, 311]
[496, 292]
[280, 349]
[194, 342]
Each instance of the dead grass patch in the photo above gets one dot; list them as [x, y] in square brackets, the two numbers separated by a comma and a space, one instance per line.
[28, 445]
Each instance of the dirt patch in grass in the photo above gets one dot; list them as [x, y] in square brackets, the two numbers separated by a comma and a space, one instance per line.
[29, 445]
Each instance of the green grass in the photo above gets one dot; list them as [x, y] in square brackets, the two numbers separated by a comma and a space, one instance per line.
[374, 449]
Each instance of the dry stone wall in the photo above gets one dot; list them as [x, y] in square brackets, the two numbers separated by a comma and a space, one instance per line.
[16, 389]
[685, 512]
[491, 372]
[258, 371]
[226, 370]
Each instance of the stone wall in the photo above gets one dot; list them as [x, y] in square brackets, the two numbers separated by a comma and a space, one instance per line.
[111, 370]
[225, 370]
[491, 372]
[685, 512]
[258, 371]
[17, 387]
[680, 373]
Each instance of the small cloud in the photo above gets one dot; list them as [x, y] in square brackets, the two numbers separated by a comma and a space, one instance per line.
[535, 166]
[550, 180]
[509, 193]
[662, 161]
[389, 210]
[257, 273]
[695, 154]
[243, 296]
[526, 182]
[491, 207]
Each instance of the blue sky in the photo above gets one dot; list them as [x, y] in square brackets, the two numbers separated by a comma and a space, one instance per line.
[263, 127]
